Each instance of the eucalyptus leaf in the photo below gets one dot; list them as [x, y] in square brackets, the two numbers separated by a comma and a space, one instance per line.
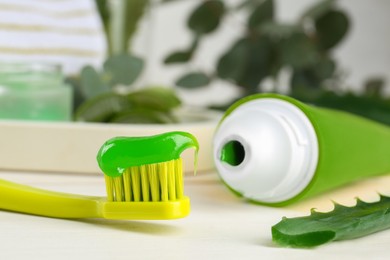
[193, 80]
[206, 17]
[178, 57]
[340, 224]
[331, 28]
[248, 4]
[91, 83]
[325, 68]
[305, 80]
[279, 31]
[258, 65]
[262, 13]
[319, 9]
[183, 56]
[232, 64]
[168, 1]
[298, 51]
[103, 107]
[155, 98]
[123, 69]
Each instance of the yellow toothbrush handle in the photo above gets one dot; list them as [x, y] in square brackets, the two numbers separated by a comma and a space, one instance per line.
[25, 199]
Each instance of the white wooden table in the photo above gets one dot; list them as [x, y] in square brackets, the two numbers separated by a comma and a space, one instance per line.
[220, 226]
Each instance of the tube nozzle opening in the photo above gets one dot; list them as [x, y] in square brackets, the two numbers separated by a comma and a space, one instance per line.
[233, 153]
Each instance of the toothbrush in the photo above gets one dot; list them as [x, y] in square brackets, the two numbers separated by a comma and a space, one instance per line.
[144, 180]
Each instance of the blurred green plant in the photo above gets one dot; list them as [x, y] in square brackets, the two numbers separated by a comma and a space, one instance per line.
[266, 47]
[108, 95]
[120, 20]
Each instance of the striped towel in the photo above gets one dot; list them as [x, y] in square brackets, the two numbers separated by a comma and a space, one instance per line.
[66, 32]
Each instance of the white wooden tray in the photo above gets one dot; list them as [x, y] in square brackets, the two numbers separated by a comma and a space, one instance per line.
[72, 147]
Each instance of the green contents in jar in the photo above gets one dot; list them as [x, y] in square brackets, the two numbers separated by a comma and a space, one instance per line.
[34, 92]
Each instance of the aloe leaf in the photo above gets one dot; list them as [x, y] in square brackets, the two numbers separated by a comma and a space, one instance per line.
[135, 10]
[102, 107]
[104, 12]
[155, 98]
[340, 224]
[143, 116]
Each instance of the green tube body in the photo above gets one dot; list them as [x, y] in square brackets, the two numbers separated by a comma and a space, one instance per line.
[348, 148]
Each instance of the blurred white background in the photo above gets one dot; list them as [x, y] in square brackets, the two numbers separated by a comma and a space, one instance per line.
[365, 52]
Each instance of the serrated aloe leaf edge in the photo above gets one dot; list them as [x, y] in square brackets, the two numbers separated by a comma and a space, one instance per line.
[339, 224]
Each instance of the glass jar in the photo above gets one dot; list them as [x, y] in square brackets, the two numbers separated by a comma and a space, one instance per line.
[34, 91]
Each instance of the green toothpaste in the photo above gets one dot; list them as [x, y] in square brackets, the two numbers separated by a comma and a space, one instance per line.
[120, 153]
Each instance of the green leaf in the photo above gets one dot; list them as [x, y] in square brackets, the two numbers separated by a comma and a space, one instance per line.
[325, 68]
[143, 116]
[298, 51]
[182, 56]
[310, 80]
[260, 55]
[206, 17]
[305, 80]
[279, 31]
[331, 28]
[135, 9]
[178, 57]
[374, 86]
[340, 224]
[168, 1]
[232, 64]
[123, 69]
[193, 80]
[104, 12]
[123, 22]
[91, 83]
[103, 107]
[78, 94]
[319, 9]
[262, 13]
[248, 4]
[155, 98]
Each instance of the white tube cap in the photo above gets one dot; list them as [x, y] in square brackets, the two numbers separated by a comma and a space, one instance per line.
[267, 150]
